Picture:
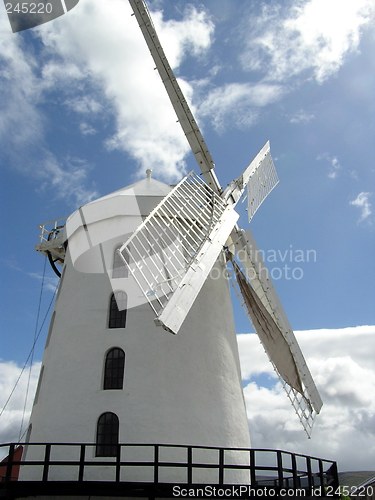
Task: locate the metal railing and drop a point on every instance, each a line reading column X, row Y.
column 49, row 228
column 264, row 469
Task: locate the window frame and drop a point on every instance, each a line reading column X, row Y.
column 107, row 435
column 117, row 318
column 114, row 369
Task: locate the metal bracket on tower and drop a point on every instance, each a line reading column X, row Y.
column 52, row 239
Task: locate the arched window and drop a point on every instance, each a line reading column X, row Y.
column 119, row 267
column 117, row 310
column 107, row 435
column 114, row 369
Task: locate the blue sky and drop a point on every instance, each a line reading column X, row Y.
column 83, row 113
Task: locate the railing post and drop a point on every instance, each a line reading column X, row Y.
column 335, row 475
column 294, row 469
column 280, row 473
column 8, row 473
column 190, row 465
column 309, row 475
column 81, row 462
column 156, row 463
column 221, row 466
column 253, row 478
column 321, row 474
column 47, row 455
column 118, row 462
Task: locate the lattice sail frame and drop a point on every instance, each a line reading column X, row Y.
column 260, row 184
column 172, row 252
column 303, row 409
column 308, row 403
column 259, row 179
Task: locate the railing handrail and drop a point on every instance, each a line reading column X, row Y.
column 169, row 445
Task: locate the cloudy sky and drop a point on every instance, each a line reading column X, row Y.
column 83, row 113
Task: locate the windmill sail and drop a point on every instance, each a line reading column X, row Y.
column 261, row 181
column 275, row 331
column 269, row 333
column 172, row 252
column 178, row 101
column 260, row 177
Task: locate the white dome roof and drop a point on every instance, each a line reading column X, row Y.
column 109, row 218
column 144, row 187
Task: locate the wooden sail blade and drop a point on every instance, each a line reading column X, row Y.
column 178, row 101
column 172, row 252
column 269, row 333
column 257, row 273
column 309, row 402
column 278, row 351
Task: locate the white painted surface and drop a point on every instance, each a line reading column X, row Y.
column 183, row 389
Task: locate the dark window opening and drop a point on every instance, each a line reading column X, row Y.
column 114, row 369
column 107, row 435
column 117, row 310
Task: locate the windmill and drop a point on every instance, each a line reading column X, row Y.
column 193, row 225
column 159, row 364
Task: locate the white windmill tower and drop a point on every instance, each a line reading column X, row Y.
column 137, row 266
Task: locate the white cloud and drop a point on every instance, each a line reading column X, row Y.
column 342, row 364
column 193, row 34
column 335, row 167
column 309, row 38
column 87, row 129
column 97, row 60
column 23, row 124
column 53, row 74
column 50, row 283
column 103, row 41
column 238, row 103
column 84, row 105
column 285, row 43
column 362, row 201
column 334, row 164
column 20, row 122
column 302, row 116
column 12, row 416
column 67, row 179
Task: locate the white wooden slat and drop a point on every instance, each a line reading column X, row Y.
column 183, row 234
column 260, row 183
column 183, row 298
